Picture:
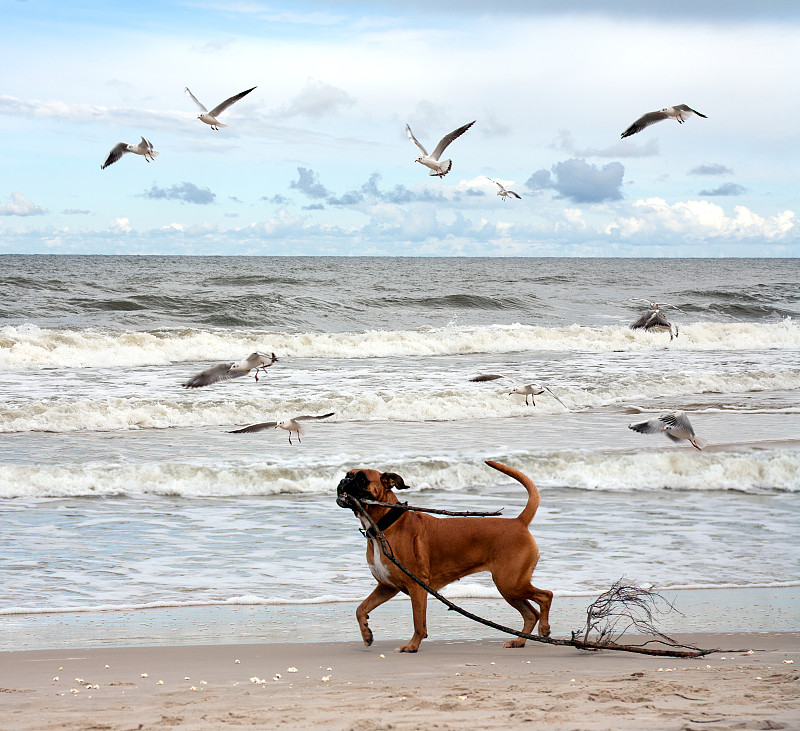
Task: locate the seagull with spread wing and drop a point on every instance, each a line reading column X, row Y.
column 438, row 168
column 291, row 425
column 226, row 371
column 210, row 118
column 144, row 148
column 675, row 426
column 522, row 389
column 655, row 319
column 503, row 193
column 680, row 112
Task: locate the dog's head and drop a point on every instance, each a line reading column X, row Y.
column 367, row 484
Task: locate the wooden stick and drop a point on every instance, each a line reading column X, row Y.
column 406, row 506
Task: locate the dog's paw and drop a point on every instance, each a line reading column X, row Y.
column 544, row 630
column 366, row 635
column 410, row 647
column 518, row 642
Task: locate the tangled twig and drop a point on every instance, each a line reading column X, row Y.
column 623, row 607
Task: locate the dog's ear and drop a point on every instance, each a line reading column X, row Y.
column 391, row 480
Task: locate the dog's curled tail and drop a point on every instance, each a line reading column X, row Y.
column 526, row 516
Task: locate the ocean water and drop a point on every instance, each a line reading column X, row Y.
column 121, row 490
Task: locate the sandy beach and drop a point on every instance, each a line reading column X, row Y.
column 751, row 684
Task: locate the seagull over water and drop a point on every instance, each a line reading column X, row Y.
column 527, row 389
column 439, row 168
column 503, row 193
column 655, row 319
column 226, row 371
column 675, row 426
column 210, row 118
column 144, row 148
column 680, row 112
column 291, row 425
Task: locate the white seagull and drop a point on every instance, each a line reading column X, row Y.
column 527, row 389
column 290, row 425
column 439, row 168
column 676, row 426
column 655, row 319
column 144, row 148
column 503, row 193
column 226, row 371
column 210, row 118
column 680, row 112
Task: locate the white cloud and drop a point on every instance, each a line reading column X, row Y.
column 698, row 219
column 120, row 225
column 19, row 205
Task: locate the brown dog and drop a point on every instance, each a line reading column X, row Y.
column 442, row 550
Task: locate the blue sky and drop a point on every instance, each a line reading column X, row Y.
column 316, row 159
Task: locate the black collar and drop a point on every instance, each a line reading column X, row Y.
column 389, row 519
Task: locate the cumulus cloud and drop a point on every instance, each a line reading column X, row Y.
column 316, row 100
column 185, row 192
column 120, row 226
column 698, row 220
column 715, row 169
column 308, row 182
column 725, row 189
column 19, row 205
column 578, row 181
column 370, row 192
column 75, row 212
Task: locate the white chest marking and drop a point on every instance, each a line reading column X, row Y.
column 376, row 566
column 379, row 571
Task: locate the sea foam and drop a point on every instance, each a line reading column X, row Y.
column 668, row 469
column 29, row 346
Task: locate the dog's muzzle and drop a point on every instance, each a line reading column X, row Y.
column 352, row 486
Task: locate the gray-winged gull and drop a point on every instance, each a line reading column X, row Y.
column 226, row 371
column 210, row 118
column 439, row 168
column 655, row 319
column 680, row 112
column 503, row 193
column 144, row 148
column 526, row 389
column 290, row 425
column 675, row 425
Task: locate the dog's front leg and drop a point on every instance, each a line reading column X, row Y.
column 419, row 607
column 382, row 593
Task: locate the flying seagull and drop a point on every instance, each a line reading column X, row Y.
column 439, row 168
column 226, row 371
column 527, row 389
column 680, row 112
column 210, row 118
column 290, row 425
column 503, row 193
column 145, row 148
column 655, row 319
column 676, row 426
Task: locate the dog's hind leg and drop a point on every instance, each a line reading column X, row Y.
column 419, row 607
column 520, row 598
column 380, row 594
column 529, row 617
